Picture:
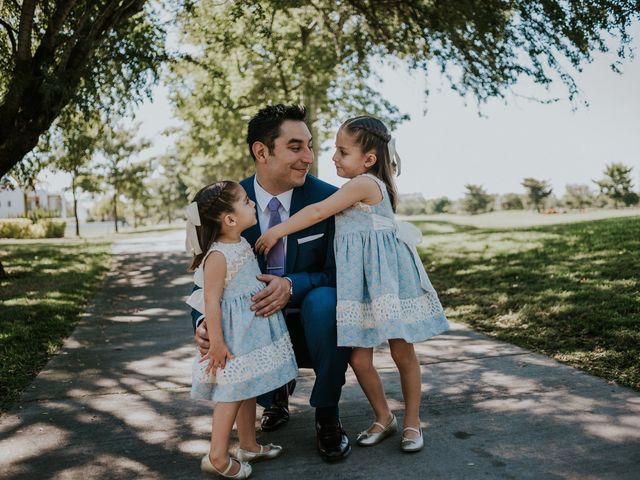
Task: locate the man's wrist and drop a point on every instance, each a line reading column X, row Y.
column 290, row 286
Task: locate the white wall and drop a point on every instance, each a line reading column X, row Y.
column 16, row 199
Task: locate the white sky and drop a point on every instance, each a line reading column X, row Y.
column 452, row 145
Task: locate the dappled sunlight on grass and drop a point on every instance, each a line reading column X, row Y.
column 48, row 286
column 562, row 290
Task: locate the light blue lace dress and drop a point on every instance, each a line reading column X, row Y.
column 383, row 291
column 264, row 358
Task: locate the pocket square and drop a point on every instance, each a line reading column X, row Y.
column 310, row 238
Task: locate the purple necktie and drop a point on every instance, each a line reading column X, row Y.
column 275, row 259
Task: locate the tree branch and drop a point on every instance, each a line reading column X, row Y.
column 23, row 53
column 10, row 33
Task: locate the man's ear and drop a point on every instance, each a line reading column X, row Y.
column 370, row 159
column 229, row 220
column 260, row 151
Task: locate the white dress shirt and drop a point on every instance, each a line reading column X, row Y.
column 262, row 199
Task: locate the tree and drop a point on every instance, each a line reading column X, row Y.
column 476, row 199
column 511, row 201
column 260, row 53
column 75, row 145
column 440, row 204
column 245, row 54
column 618, row 185
column 537, row 191
column 578, row 196
column 118, row 146
column 133, row 185
column 170, row 191
column 74, row 52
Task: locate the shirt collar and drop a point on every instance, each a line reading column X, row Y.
column 263, row 197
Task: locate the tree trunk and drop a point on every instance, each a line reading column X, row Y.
column 75, row 204
column 3, row 274
column 115, row 210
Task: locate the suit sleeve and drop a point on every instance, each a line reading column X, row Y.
column 196, row 316
column 304, row 282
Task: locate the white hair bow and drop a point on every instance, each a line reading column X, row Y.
column 393, row 155
column 193, row 220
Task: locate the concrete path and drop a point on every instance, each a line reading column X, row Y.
column 114, row 403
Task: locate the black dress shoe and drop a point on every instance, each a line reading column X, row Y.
column 333, row 443
column 277, row 415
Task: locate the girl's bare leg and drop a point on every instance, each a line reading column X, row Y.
column 362, row 363
column 224, row 415
column 405, row 358
column 246, row 422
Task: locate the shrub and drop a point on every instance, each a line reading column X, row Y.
column 25, row 228
column 53, row 228
column 16, row 228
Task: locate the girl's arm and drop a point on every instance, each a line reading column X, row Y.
column 215, row 270
column 355, row 190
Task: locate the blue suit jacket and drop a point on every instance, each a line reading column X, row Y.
column 310, row 264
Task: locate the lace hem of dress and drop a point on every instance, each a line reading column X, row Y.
column 387, row 308
column 254, row 364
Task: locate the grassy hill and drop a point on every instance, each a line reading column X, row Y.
column 569, row 291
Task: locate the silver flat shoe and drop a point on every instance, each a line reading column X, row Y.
column 368, row 439
column 247, row 456
column 412, row 444
column 207, row 467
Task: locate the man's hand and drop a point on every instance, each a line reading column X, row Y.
column 202, row 338
column 273, row 297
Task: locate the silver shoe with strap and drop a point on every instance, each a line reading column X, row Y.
column 412, row 444
column 368, row 439
column 247, row 456
column 207, row 467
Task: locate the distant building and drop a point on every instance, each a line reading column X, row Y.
column 15, row 202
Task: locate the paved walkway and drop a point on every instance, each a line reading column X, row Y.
column 114, row 403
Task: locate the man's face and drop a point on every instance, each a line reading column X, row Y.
column 286, row 167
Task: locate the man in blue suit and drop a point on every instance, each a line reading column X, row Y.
column 303, row 286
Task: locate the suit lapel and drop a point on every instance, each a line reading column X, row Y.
column 298, row 201
column 251, row 234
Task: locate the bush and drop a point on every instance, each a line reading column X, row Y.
column 53, row 228
column 16, row 228
column 25, row 228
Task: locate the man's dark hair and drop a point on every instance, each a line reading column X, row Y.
column 265, row 125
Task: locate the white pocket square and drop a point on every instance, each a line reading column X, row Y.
column 310, row 238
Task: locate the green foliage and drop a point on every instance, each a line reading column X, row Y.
column 119, row 173
column 416, row 205
column 511, row 201
column 537, row 191
column 476, row 200
column 571, row 291
column 85, row 55
column 169, row 190
column 16, row 228
column 438, row 205
column 249, row 54
column 53, row 228
column 578, row 196
column 28, row 228
column 48, row 286
column 618, row 185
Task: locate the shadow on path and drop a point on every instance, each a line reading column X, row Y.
column 114, row 403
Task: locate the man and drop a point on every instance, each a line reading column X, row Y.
column 299, row 271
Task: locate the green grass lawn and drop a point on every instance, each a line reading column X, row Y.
column 571, row 292
column 49, row 285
